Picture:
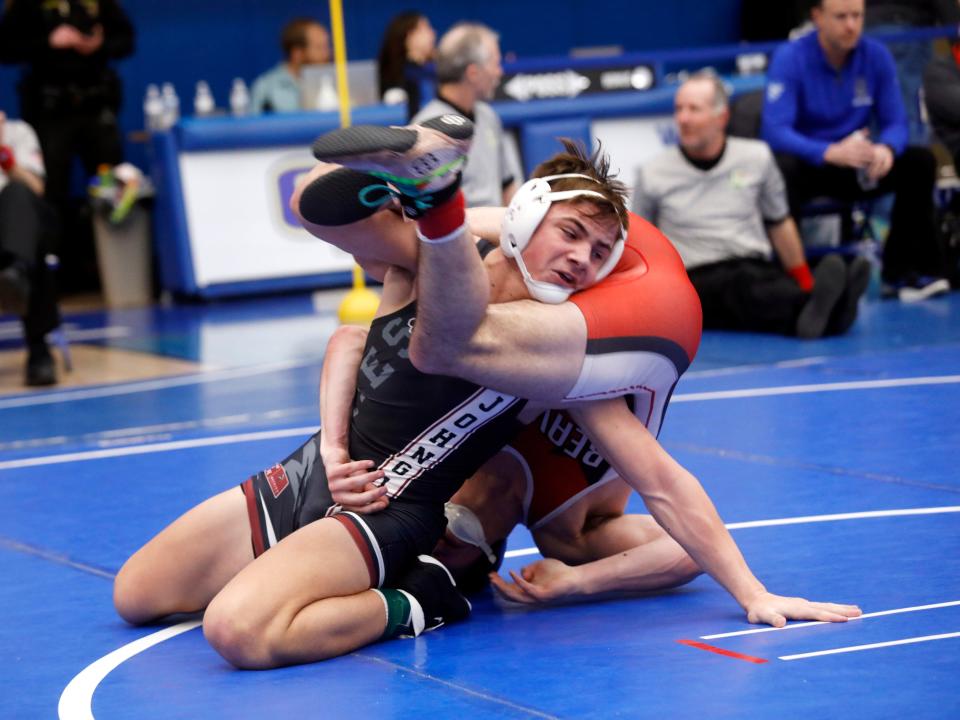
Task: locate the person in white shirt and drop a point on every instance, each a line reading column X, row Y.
column 468, row 73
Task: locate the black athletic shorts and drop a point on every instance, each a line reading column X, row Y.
column 294, row 492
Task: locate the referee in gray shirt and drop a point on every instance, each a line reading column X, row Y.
column 468, row 73
column 721, row 201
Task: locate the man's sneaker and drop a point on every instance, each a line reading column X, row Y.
column 433, row 587
column 829, row 280
column 915, row 289
column 40, row 367
column 416, row 158
column 858, row 278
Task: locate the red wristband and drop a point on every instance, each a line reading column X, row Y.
column 444, row 219
column 7, row 159
column 803, row 277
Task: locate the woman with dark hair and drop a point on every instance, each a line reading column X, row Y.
column 408, row 45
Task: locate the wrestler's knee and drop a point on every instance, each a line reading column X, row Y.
column 238, row 635
column 133, row 593
column 251, row 636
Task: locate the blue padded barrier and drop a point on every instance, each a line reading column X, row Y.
column 170, row 233
column 539, row 138
column 541, row 122
column 607, row 105
column 283, row 129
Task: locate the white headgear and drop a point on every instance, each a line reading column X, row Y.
column 525, row 213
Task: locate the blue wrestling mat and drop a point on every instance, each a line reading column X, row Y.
column 834, row 462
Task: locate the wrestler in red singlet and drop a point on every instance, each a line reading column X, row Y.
column 643, row 330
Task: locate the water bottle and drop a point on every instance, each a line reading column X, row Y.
column 171, row 105
column 327, row 97
column 395, row 96
column 239, row 98
column 203, row 104
column 153, row 109
column 864, row 180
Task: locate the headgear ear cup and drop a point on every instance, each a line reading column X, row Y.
column 524, row 215
column 616, row 252
column 526, row 211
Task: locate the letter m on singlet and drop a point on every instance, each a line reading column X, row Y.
column 442, row 438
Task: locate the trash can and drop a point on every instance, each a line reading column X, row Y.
column 121, row 230
column 124, row 257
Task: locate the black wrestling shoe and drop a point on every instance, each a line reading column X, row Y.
column 432, row 585
column 40, row 367
column 418, row 158
column 829, row 280
column 858, row 278
column 14, row 289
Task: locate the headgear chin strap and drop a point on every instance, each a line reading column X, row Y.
column 525, row 213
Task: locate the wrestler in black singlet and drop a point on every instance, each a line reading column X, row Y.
column 429, row 433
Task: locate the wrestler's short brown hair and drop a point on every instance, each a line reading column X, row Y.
column 576, row 159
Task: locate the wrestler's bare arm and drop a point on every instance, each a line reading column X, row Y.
column 525, row 348
column 786, row 241
column 338, row 383
column 351, row 482
column 485, row 222
column 623, row 554
column 678, row 502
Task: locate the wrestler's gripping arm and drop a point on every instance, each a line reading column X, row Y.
column 638, row 560
column 351, row 482
column 681, row 506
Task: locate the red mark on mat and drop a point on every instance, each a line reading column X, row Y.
column 721, row 651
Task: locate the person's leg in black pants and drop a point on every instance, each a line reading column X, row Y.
column 757, row 295
column 27, row 226
column 56, row 137
column 748, row 294
column 911, row 248
column 805, row 182
column 94, row 138
column 43, row 311
column 19, row 222
column 19, row 230
column 99, row 140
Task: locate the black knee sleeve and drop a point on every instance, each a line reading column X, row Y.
column 340, row 198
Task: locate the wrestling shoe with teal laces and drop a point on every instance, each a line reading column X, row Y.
column 346, row 196
column 419, row 166
column 415, row 159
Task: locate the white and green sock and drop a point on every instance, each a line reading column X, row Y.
column 404, row 614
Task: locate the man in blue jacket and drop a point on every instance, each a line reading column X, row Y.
column 834, row 116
